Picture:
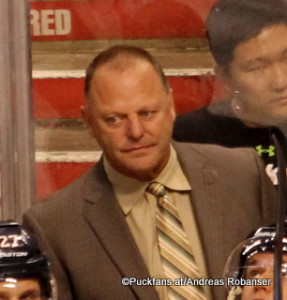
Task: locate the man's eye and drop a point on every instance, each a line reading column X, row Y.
column 256, row 68
column 147, row 113
column 253, row 272
column 112, row 120
column 33, row 295
column 284, row 270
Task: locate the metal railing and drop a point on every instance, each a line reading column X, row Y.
column 16, row 122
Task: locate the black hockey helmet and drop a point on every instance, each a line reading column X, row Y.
column 260, row 241
column 20, row 257
column 263, row 240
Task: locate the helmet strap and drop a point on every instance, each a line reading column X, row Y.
column 235, row 290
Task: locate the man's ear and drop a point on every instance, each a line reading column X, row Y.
column 84, row 113
column 172, row 105
column 87, row 119
column 223, row 76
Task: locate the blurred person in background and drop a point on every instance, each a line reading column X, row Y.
column 248, row 40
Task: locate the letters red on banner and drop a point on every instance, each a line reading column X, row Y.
column 118, row 19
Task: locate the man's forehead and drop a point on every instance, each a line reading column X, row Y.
column 264, row 257
column 264, row 42
column 19, row 284
column 122, row 63
column 111, row 75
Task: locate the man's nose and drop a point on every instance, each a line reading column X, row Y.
column 135, row 129
column 268, row 275
column 278, row 77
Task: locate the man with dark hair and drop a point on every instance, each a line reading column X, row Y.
column 151, row 211
column 240, row 21
column 248, row 40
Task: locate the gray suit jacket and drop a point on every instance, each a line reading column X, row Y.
column 83, row 230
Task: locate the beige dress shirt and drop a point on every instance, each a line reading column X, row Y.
column 139, row 208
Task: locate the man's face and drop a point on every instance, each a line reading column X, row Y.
column 259, row 72
column 131, row 115
column 261, row 266
column 20, row 290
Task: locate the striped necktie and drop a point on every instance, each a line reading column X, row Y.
column 174, row 247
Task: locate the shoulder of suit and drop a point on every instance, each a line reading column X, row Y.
column 67, row 195
column 211, row 151
column 211, row 148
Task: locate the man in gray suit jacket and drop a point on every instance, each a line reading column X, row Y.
column 100, row 232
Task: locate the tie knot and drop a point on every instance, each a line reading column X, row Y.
column 156, row 189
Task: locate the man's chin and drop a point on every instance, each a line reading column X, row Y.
column 275, row 116
column 141, row 171
column 265, row 120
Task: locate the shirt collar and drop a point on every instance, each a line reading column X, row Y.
column 129, row 190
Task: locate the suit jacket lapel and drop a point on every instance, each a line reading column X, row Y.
column 106, row 219
column 204, row 196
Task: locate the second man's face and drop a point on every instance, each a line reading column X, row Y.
column 261, row 266
column 24, row 289
column 259, row 72
column 131, row 115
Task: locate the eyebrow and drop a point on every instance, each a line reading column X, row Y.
column 263, row 59
column 253, row 262
column 33, row 292
column 255, row 61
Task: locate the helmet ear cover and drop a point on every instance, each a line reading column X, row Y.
column 21, row 258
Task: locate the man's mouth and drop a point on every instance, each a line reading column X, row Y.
column 280, row 100
column 137, row 148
